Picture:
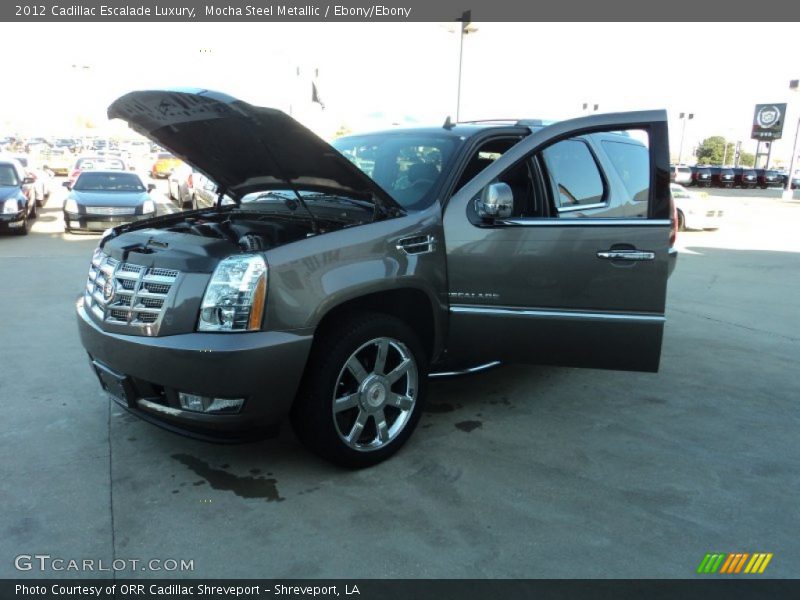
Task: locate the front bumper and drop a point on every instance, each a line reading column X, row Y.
column 263, row 367
column 703, row 220
column 12, row 221
column 81, row 222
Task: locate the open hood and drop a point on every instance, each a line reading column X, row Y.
column 244, row 148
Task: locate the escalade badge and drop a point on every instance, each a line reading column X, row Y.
column 108, row 291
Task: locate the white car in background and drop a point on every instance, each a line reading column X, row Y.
column 680, row 174
column 696, row 210
column 42, row 178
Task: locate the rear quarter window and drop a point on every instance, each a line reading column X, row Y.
column 632, row 163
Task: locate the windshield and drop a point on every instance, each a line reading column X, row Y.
column 8, row 176
column 109, row 182
column 320, row 204
column 409, row 166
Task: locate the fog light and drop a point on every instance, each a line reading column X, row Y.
column 192, row 402
column 207, row 404
column 225, row 405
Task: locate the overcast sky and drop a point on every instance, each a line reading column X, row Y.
column 373, row 74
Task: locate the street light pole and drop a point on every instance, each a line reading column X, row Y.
column 787, row 191
column 466, row 28
column 684, row 117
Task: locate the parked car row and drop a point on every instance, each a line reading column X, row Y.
column 17, row 197
column 728, row 177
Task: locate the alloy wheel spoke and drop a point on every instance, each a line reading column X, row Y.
column 380, row 359
column 400, row 401
column 382, row 427
column 356, row 369
column 399, row 370
column 358, row 427
column 345, row 403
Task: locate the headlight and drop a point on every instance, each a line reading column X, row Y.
column 11, row 206
column 71, row 206
column 148, row 207
column 235, row 296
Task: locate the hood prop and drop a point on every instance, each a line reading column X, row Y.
column 314, row 224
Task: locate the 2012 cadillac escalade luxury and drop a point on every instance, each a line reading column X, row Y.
column 341, row 276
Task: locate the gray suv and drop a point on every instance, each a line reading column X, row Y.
column 341, row 277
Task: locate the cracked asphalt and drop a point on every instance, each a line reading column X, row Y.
column 516, row 472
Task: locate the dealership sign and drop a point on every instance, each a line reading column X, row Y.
column 768, row 121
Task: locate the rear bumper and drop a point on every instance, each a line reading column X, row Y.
column 673, row 260
column 264, row 368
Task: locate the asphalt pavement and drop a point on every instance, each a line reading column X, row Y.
column 516, row 472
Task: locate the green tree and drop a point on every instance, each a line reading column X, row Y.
column 746, row 159
column 711, row 150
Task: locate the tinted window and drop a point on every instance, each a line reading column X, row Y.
column 409, row 167
column 574, row 174
column 108, row 182
column 632, row 164
column 8, row 176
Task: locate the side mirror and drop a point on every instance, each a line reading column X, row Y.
column 28, row 181
column 150, row 187
column 67, row 185
column 495, row 202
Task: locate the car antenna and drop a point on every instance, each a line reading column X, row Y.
column 448, row 124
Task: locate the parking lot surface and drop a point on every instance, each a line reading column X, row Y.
column 516, row 472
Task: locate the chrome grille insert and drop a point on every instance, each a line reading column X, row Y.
column 126, row 293
column 110, row 210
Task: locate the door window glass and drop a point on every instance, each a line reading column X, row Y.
column 574, row 174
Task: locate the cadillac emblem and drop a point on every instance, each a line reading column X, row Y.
column 768, row 116
column 108, row 290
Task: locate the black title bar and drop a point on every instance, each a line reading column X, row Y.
column 409, row 589
column 678, row 11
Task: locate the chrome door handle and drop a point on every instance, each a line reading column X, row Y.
column 627, row 255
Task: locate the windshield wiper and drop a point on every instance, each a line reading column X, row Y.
column 336, row 199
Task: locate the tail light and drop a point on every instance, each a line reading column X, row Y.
column 74, row 174
column 189, row 181
column 673, row 222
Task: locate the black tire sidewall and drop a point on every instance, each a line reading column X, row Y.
column 312, row 413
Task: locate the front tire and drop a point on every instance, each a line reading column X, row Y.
column 681, row 222
column 26, row 226
column 363, row 390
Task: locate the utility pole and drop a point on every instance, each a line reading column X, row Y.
column 787, row 192
column 466, row 28
column 683, row 117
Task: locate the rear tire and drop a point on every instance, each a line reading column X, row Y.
column 681, row 222
column 363, row 390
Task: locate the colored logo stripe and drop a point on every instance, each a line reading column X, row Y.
column 733, row 563
column 710, row 563
column 758, row 563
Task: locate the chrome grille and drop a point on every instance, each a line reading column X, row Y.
column 126, row 293
column 110, row 210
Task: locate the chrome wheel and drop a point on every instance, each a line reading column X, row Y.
column 375, row 394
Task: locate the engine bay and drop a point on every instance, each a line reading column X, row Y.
column 249, row 232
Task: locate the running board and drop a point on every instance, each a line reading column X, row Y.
column 470, row 371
